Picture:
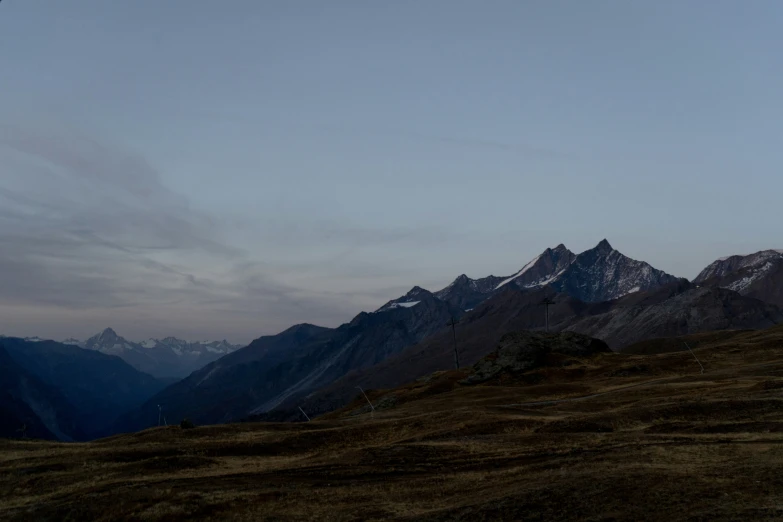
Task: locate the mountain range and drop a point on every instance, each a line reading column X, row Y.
column 599, row 274
column 599, row 292
column 168, row 358
column 274, row 369
column 596, row 291
column 675, row 309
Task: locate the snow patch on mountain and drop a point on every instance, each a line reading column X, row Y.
column 521, row 272
column 724, row 266
column 545, row 281
column 632, row 291
column 409, row 304
column 742, row 284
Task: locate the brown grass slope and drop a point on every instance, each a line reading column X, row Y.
column 638, row 437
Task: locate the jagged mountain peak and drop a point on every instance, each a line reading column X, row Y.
column 465, row 293
column 108, row 341
column 418, row 291
column 603, row 274
column 604, row 246
column 107, row 337
column 108, row 333
column 542, row 270
column 461, row 282
column 414, row 296
column 301, row 327
column 598, row 274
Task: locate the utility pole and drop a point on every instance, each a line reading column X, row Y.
column 546, row 302
column 453, row 324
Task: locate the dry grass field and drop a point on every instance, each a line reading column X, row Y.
column 612, row 437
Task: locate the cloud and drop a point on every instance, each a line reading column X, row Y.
column 88, row 227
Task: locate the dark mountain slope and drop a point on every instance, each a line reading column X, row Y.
column 478, row 332
column 100, row 387
column 673, row 309
column 31, row 408
column 232, row 385
column 289, row 365
column 691, row 311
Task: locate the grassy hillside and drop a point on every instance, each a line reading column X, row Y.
column 608, row 437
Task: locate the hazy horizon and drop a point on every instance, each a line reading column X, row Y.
column 226, row 170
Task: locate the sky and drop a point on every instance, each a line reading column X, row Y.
column 218, row 170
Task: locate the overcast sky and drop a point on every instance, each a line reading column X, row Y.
column 225, row 169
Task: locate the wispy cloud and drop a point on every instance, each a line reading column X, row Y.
column 89, row 226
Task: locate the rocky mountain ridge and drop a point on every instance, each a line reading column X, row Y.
column 758, row 275
column 165, row 358
column 598, row 274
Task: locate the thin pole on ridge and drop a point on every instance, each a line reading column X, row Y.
column 546, row 302
column 453, row 324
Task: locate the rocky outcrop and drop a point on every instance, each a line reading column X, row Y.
column 521, row 351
